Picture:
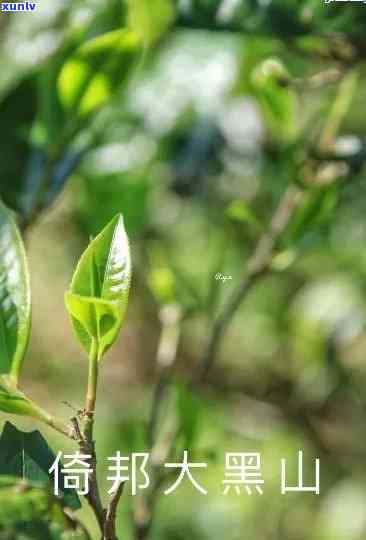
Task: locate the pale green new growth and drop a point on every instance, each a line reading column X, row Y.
column 98, row 295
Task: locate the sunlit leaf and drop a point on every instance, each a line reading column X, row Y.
column 14, row 296
column 90, row 77
column 98, row 295
column 150, row 18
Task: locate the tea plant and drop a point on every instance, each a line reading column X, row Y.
column 97, row 302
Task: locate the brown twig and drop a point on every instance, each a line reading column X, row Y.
column 170, row 317
column 93, row 496
column 109, row 532
column 257, row 266
column 87, row 443
column 87, row 447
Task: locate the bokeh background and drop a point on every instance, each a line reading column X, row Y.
column 229, row 103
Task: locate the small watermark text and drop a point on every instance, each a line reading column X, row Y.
column 18, row 6
column 223, row 277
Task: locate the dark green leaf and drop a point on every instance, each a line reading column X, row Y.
column 15, row 302
column 17, row 112
column 28, row 456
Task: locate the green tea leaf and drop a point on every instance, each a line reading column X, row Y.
column 98, row 295
column 28, row 456
column 15, row 301
column 97, row 69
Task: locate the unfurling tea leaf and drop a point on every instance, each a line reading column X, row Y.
column 98, row 295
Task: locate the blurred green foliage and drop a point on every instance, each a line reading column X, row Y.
column 30, row 512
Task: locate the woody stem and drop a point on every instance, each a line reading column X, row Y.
column 86, row 441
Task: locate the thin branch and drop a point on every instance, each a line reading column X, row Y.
column 93, row 496
column 258, row 265
column 339, row 108
column 53, row 422
column 170, row 317
column 109, row 532
column 86, row 440
column 59, row 426
column 87, row 447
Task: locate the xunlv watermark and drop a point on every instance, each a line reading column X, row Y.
column 21, row 6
